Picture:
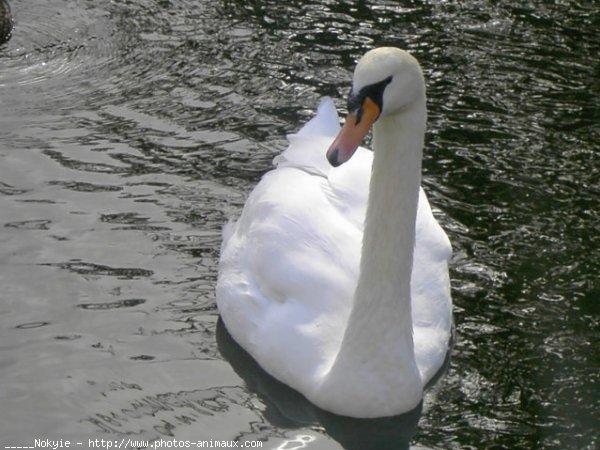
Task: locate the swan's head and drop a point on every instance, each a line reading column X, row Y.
column 386, row 81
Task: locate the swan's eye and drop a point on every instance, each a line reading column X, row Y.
column 373, row 91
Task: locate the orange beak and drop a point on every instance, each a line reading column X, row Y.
column 352, row 133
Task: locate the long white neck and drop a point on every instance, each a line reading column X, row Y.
column 377, row 351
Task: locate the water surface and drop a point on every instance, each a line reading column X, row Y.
column 131, row 131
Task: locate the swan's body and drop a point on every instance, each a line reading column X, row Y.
column 326, row 293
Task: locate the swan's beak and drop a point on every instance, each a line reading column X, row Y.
column 352, row 133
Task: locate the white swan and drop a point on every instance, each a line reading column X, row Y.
column 358, row 330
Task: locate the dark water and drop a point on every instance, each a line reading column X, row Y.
column 131, row 131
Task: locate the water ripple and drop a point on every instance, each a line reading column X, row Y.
column 54, row 50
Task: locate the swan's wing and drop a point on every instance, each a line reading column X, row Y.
column 325, row 123
column 289, row 266
column 308, row 147
column 430, row 291
column 348, row 185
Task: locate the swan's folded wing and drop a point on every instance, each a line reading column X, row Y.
column 325, row 123
column 430, row 289
column 306, row 153
column 287, row 273
column 308, row 147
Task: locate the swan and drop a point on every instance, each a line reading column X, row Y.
column 334, row 278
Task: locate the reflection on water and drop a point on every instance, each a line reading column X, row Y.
column 131, row 131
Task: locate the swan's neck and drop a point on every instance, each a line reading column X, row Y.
column 378, row 343
column 389, row 234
